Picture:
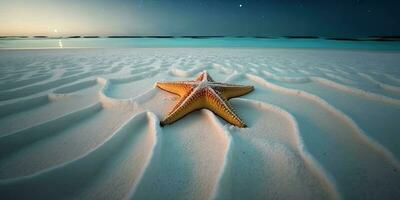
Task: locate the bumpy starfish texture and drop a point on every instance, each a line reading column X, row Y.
column 201, row 93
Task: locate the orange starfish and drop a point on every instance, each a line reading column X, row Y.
column 204, row 92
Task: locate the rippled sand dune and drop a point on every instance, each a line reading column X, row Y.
column 84, row 124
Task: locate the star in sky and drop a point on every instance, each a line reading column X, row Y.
column 240, row 5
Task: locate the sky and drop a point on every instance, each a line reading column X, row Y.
column 341, row 18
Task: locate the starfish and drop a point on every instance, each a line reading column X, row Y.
column 201, row 93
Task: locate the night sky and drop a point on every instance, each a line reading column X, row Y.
column 344, row 18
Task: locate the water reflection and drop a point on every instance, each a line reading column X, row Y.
column 60, row 44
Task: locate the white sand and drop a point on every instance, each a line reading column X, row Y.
column 84, row 123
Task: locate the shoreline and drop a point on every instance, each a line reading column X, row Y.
column 219, row 42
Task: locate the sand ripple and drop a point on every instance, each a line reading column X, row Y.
column 84, row 124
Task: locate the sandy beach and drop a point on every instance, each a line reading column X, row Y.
column 85, row 124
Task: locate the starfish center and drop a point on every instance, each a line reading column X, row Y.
column 203, row 84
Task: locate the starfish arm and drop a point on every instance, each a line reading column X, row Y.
column 222, row 108
column 204, row 75
column 230, row 91
column 204, row 92
column 177, row 87
column 182, row 100
column 187, row 104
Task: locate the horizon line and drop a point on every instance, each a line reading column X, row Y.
column 367, row 38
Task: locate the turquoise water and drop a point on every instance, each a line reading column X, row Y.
column 190, row 42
